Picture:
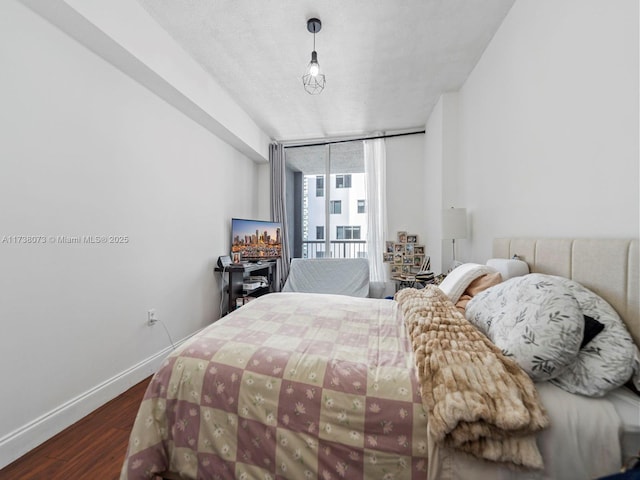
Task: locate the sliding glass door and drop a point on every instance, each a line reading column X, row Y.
column 327, row 206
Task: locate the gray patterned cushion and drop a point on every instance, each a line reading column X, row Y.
column 534, row 319
column 606, row 362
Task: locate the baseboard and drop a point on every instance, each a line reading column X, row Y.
column 26, row 438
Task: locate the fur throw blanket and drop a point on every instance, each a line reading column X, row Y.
column 477, row 400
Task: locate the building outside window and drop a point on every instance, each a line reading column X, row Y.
column 343, row 181
column 326, row 188
column 319, row 186
column 348, row 232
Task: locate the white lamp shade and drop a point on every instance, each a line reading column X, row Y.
column 454, row 223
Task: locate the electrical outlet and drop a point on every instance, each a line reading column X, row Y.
column 152, row 317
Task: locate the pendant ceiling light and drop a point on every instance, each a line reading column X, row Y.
column 312, row 79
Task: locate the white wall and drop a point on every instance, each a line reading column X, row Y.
column 85, row 150
column 406, row 187
column 263, row 191
column 442, row 163
column 548, row 126
column 128, row 37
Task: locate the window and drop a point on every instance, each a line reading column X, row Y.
column 360, row 206
column 348, row 233
column 319, row 186
column 343, row 181
column 313, row 173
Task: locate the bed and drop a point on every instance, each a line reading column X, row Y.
column 303, row 385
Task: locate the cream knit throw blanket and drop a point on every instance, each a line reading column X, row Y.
column 478, row 400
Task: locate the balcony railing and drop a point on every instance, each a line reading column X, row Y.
column 337, row 249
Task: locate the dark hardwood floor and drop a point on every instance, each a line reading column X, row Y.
column 92, row 448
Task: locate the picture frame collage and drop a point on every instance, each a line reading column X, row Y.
column 405, row 256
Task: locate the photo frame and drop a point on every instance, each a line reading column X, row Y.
column 405, row 256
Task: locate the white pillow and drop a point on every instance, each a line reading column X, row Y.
column 460, row 277
column 509, row 268
column 534, row 319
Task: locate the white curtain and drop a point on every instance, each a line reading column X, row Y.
column 375, row 168
column 279, row 205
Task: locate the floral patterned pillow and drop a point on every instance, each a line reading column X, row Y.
column 606, row 362
column 534, row 319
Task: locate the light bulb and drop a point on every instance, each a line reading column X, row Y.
column 314, row 68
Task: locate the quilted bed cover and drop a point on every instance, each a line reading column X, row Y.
column 304, row 386
column 290, row 386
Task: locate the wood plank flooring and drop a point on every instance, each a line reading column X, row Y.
column 94, row 447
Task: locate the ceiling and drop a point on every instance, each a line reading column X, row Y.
column 386, row 61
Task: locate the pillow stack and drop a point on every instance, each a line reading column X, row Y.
column 541, row 320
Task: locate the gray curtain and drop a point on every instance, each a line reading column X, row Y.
column 279, row 205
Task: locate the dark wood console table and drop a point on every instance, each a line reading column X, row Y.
column 239, row 274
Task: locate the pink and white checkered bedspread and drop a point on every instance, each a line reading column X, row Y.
column 290, row 386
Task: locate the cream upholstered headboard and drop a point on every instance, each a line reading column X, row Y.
column 608, row 267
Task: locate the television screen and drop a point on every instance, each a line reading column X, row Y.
column 254, row 240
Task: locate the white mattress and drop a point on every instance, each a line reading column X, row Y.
column 627, row 405
column 582, row 442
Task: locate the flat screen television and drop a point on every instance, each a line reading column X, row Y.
column 255, row 240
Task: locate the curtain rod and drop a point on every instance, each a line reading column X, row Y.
column 330, row 142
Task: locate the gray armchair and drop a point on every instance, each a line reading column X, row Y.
column 342, row 276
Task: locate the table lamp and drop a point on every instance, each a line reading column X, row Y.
column 454, row 225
